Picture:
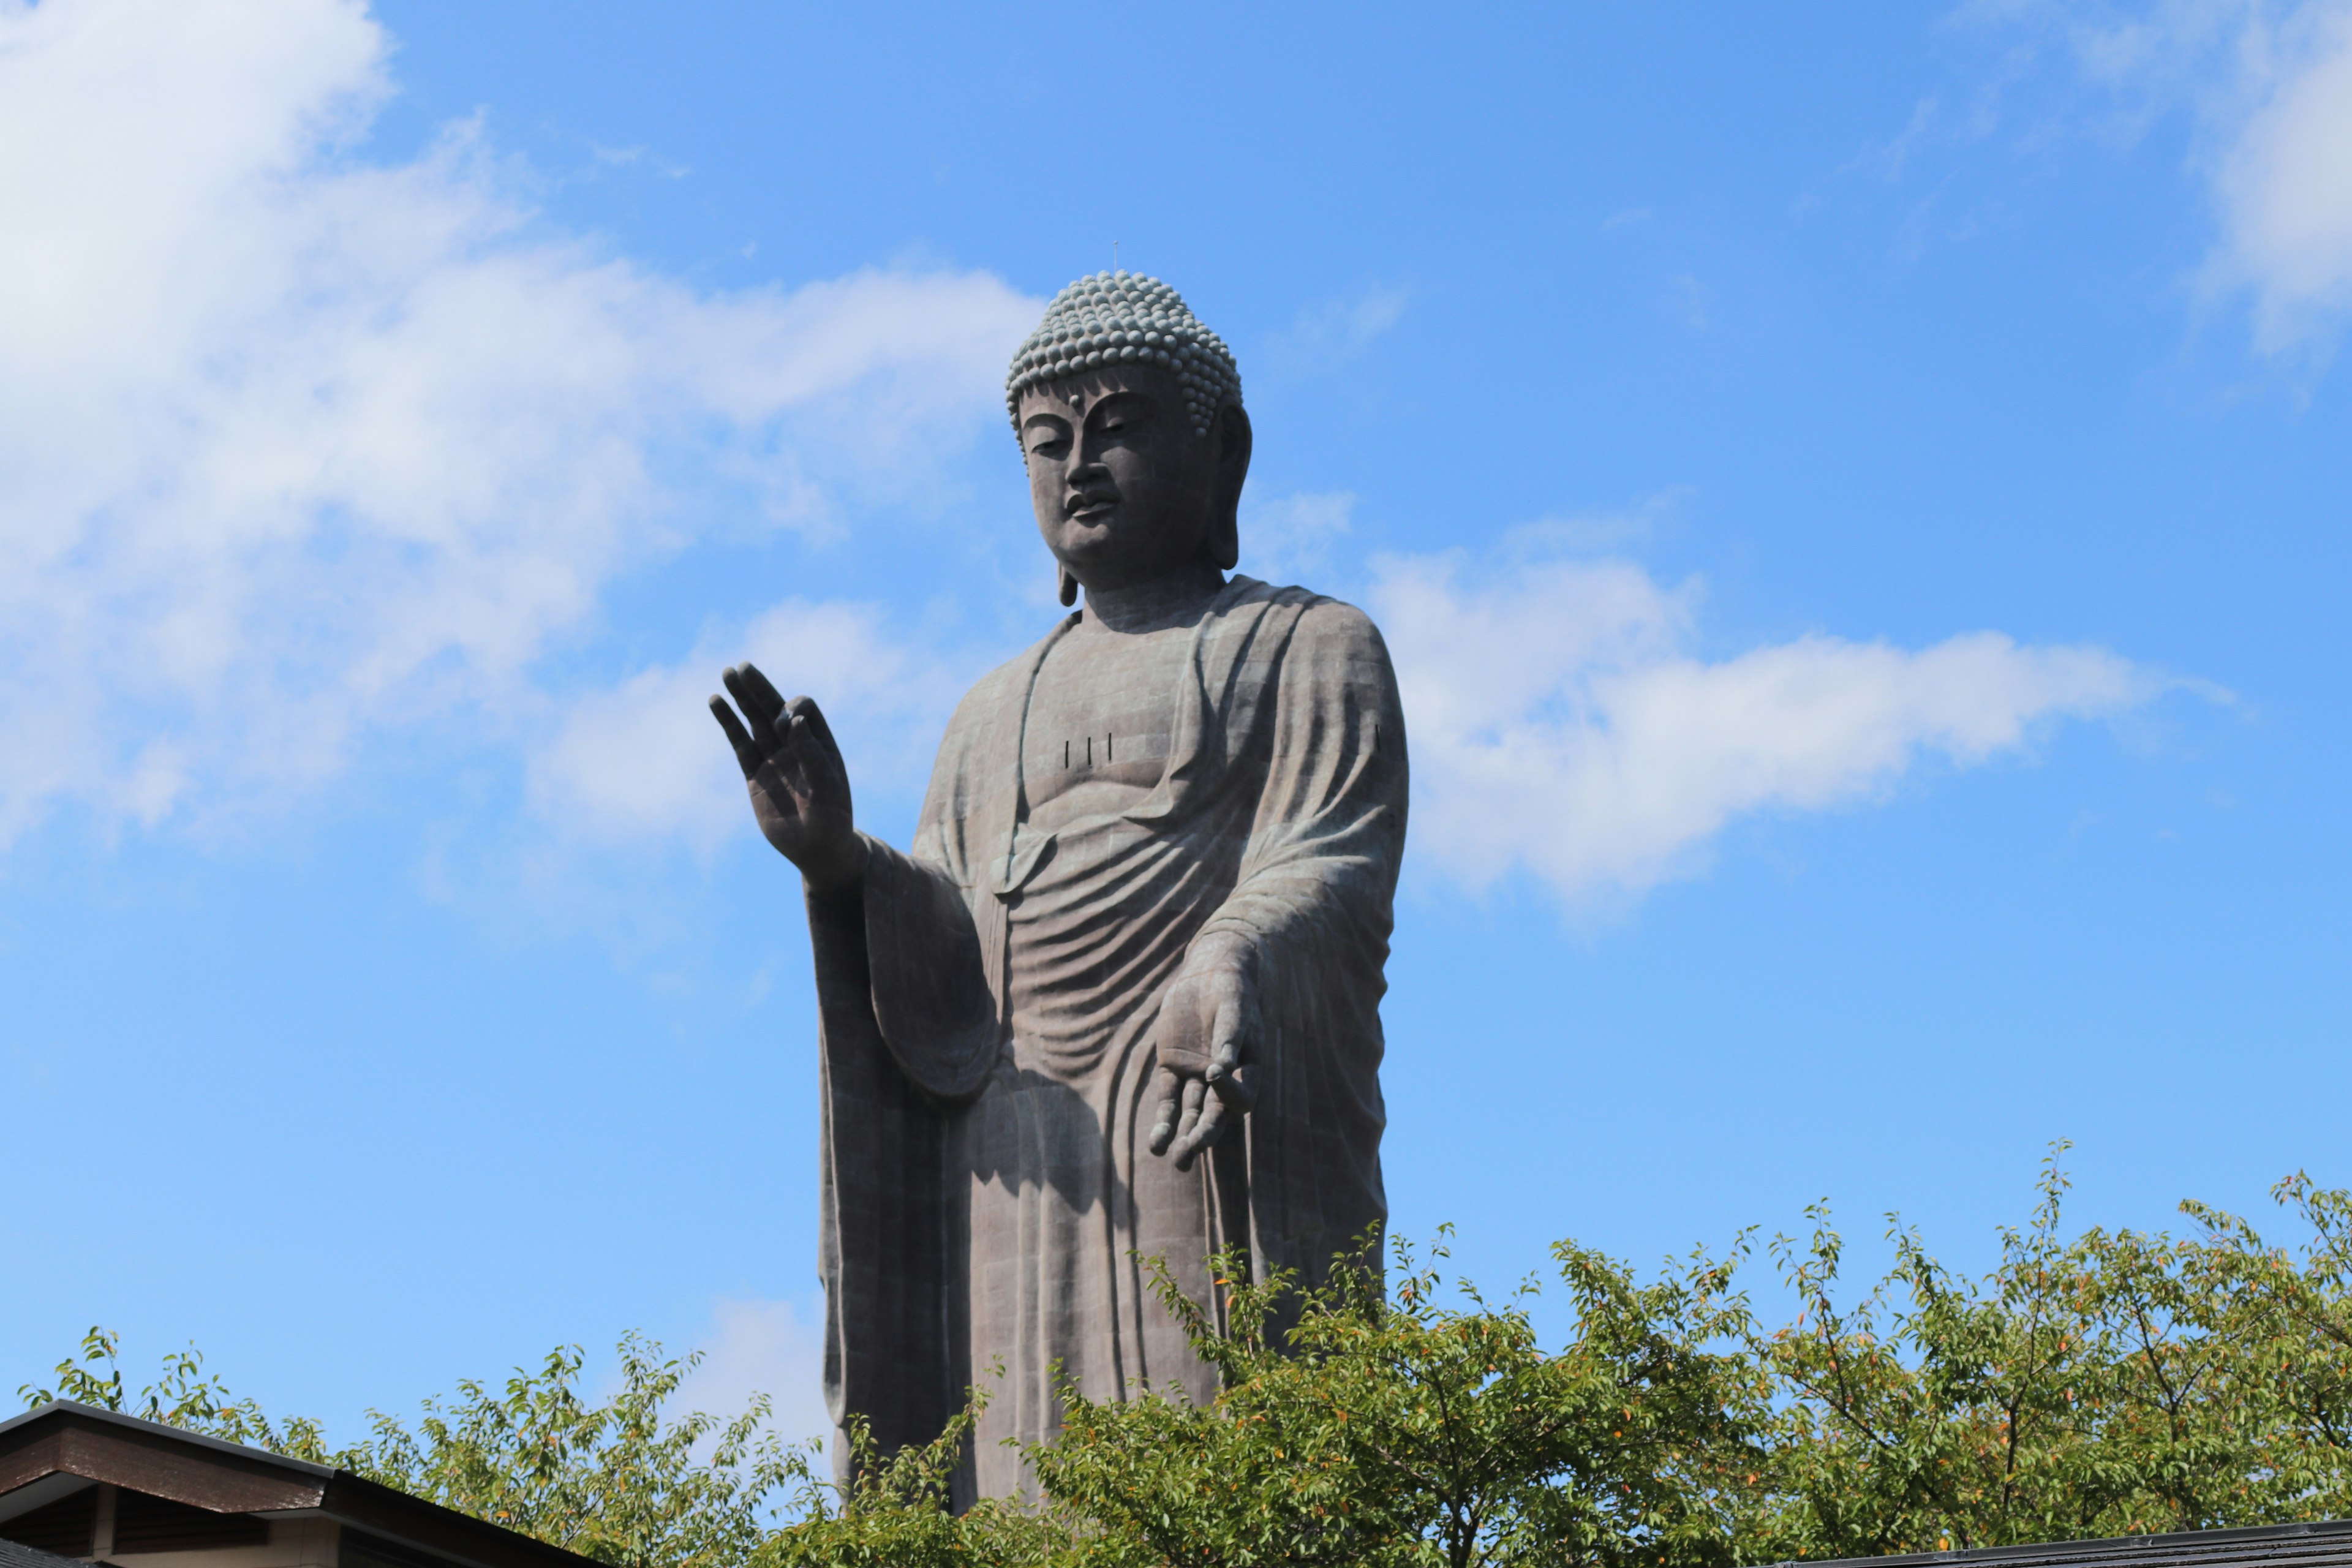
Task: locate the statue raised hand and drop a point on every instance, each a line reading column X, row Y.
column 800, row 787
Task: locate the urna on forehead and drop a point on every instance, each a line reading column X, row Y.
column 1114, row 318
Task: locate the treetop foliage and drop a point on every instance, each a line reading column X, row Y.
column 2107, row 1384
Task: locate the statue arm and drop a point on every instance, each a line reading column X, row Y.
column 897, row 954
column 919, row 972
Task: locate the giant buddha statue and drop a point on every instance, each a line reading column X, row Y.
column 1118, row 1000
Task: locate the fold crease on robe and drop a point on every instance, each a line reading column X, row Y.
column 985, row 1007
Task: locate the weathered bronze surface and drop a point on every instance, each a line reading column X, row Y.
column 1120, row 999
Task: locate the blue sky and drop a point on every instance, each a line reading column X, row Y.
column 1857, row 496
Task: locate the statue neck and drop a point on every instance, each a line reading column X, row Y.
column 1162, row 602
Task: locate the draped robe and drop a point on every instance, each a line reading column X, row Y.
column 986, row 1005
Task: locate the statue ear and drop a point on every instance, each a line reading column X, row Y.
column 1224, row 544
column 1065, row 584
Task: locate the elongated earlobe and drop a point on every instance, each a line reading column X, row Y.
column 1224, row 544
column 1067, row 585
column 1224, row 541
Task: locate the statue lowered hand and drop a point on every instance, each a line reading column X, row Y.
column 800, row 787
column 1206, row 1040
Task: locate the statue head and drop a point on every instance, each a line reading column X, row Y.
column 1129, row 417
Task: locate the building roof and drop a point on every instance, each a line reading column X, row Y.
column 15, row 1556
column 64, row 1439
column 2324, row 1545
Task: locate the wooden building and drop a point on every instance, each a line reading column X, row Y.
column 87, row 1485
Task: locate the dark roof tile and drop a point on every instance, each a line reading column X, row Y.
column 2323, row 1545
column 15, row 1556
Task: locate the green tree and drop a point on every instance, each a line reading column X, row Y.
column 896, row 1513
column 2102, row 1385
column 2282, row 1333
column 182, row 1395
column 1408, row 1431
column 2117, row 1384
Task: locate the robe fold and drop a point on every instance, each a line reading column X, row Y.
column 986, row 1003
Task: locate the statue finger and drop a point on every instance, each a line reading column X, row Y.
column 764, row 692
column 1203, row 1133
column 763, row 716
column 1194, row 1092
column 802, row 739
column 1232, row 1044
column 1228, row 1039
column 1163, row 1125
column 1197, row 1099
column 737, row 736
column 806, row 708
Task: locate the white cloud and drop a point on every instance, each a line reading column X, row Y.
column 1359, row 320
column 775, row 1348
column 1562, row 723
column 2285, row 179
column 292, row 444
column 1290, row 538
column 2269, row 86
column 1332, row 331
column 646, row 760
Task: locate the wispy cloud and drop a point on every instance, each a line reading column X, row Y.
column 644, row 760
column 2283, row 173
column 1687, row 300
column 293, row 445
column 1562, row 722
column 2267, row 85
column 1334, row 330
column 1294, row 537
column 1592, row 532
column 753, row 1347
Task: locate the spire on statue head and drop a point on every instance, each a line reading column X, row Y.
column 1114, row 317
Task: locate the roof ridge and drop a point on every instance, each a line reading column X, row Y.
column 2269, row 1541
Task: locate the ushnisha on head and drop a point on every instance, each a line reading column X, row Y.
column 1129, row 417
column 1124, row 318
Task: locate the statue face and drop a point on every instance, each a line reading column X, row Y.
column 1124, row 489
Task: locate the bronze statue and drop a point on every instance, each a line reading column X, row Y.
column 1120, row 998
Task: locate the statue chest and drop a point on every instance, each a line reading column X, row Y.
column 1100, row 721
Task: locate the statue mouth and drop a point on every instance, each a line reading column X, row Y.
column 1091, row 508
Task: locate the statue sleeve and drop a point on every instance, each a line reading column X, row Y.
column 880, row 1213
column 928, row 987
column 905, row 1027
column 1315, row 896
